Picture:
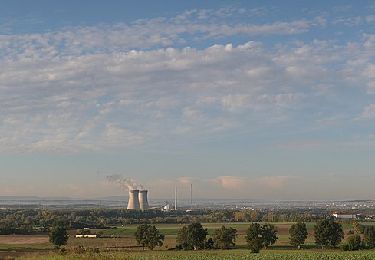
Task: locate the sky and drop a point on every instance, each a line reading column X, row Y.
column 266, row 100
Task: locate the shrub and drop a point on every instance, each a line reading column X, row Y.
column 354, row 243
column 369, row 236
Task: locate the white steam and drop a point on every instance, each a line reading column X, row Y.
column 124, row 182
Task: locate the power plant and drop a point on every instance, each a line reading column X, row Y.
column 133, row 202
column 137, row 193
column 138, row 200
column 143, row 202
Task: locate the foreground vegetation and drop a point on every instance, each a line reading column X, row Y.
column 119, row 234
column 218, row 254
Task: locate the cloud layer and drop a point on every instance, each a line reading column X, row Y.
column 118, row 99
column 282, row 84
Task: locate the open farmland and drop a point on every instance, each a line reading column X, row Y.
column 119, row 243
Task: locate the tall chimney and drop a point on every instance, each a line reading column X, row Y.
column 175, row 198
column 143, row 202
column 191, row 194
column 133, row 199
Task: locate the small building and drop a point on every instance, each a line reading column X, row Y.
column 344, row 216
column 86, row 236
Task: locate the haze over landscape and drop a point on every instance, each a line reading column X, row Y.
column 244, row 99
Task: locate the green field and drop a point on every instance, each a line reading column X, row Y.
column 119, row 243
column 216, row 254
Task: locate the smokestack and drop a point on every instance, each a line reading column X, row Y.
column 175, row 198
column 133, row 199
column 191, row 195
column 143, row 202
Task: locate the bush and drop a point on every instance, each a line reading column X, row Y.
column 58, row 235
column 369, row 236
column 209, row 244
column 353, row 243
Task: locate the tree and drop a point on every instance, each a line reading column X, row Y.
column 328, row 233
column 254, row 237
column 269, row 235
column 369, row 236
column 224, row 238
column 259, row 236
column 149, row 236
column 298, row 234
column 58, row 235
column 192, row 237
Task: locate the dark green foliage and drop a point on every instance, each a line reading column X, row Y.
column 254, row 237
column 269, row 235
column 224, row 238
column 209, row 244
column 369, row 236
column 298, row 234
column 58, row 235
column 192, row 237
column 328, row 233
column 354, row 243
column 259, row 236
column 149, row 236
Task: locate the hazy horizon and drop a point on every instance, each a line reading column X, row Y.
column 265, row 100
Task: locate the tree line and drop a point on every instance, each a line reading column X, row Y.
column 26, row 221
column 327, row 233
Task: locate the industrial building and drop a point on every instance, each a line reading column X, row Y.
column 138, row 200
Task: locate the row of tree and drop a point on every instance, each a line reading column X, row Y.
column 194, row 237
column 24, row 221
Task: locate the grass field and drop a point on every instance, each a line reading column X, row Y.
column 120, row 243
column 216, row 254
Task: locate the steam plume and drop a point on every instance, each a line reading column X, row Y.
column 124, row 182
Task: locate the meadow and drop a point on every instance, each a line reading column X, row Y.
column 119, row 243
column 215, row 254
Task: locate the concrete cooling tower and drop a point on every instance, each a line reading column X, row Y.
column 143, row 202
column 133, row 199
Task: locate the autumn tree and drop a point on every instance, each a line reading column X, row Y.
column 224, row 238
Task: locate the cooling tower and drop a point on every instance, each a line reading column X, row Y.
column 143, row 202
column 133, row 199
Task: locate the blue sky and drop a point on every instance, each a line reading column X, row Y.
column 244, row 99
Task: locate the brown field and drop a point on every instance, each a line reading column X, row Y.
column 23, row 239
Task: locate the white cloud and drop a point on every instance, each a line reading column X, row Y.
column 235, row 183
column 86, row 89
column 143, row 34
